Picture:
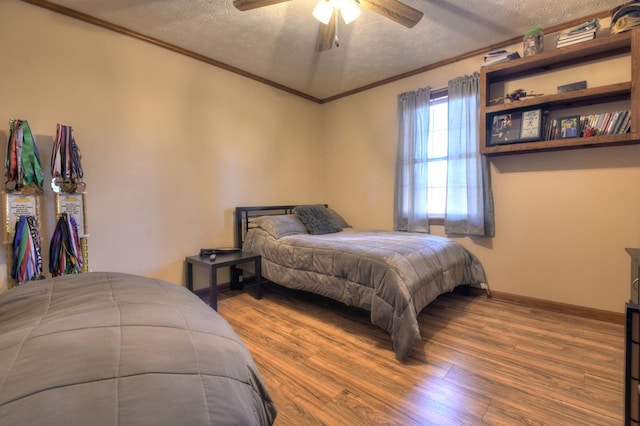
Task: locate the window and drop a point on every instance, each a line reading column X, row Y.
column 440, row 174
column 437, row 155
column 422, row 162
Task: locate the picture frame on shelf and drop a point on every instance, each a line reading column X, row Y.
column 569, row 127
column 531, row 125
column 505, row 128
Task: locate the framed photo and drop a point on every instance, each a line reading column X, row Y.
column 569, row 127
column 505, row 128
column 531, row 126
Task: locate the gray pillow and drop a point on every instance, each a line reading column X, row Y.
column 317, row 219
column 280, row 225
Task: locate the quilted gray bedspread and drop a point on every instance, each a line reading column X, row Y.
column 394, row 275
column 118, row 349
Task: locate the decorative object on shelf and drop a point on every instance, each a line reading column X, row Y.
column 625, row 17
column 578, row 34
column 589, row 132
column 65, row 251
column 26, row 258
column 513, row 96
column 530, row 129
column 23, row 171
column 533, row 42
column 66, row 166
column 569, row 127
column 578, row 85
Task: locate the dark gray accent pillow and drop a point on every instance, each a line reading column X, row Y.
column 317, row 219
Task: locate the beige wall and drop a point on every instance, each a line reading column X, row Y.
column 171, row 145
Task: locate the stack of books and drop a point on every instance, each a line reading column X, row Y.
column 498, row 56
column 603, row 124
column 608, row 123
column 578, row 34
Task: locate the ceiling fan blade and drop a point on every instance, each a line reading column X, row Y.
column 326, row 34
column 254, row 4
column 394, row 10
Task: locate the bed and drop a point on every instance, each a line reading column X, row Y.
column 105, row 348
column 393, row 275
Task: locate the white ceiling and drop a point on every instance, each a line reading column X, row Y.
column 277, row 43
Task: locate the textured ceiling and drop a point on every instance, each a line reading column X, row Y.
column 277, row 42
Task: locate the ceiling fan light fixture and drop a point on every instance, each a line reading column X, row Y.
column 350, row 11
column 323, row 11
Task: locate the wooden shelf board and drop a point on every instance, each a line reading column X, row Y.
column 576, row 96
column 558, row 144
column 563, row 55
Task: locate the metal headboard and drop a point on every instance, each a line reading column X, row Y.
column 244, row 215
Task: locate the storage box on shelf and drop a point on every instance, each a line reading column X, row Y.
column 628, row 92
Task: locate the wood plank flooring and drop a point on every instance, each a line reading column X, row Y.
column 480, row 362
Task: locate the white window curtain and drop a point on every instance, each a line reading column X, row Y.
column 410, row 199
column 469, row 208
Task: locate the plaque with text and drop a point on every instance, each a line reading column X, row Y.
column 16, row 205
column 73, row 205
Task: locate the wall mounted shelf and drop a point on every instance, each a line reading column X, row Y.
column 627, row 43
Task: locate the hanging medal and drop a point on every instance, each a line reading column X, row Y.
column 64, row 250
column 66, row 166
column 23, row 171
column 26, row 251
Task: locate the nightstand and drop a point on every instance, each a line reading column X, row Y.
column 222, row 260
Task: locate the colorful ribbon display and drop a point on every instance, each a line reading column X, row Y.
column 65, row 253
column 23, row 170
column 66, row 167
column 27, row 257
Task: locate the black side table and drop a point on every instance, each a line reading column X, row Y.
column 231, row 260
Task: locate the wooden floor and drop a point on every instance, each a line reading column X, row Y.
column 480, row 362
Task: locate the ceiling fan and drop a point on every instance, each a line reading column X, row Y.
column 327, row 12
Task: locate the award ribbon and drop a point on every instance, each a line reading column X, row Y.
column 65, row 252
column 66, row 166
column 27, row 257
column 22, row 165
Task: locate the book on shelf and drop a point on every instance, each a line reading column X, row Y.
column 591, row 25
column 607, row 123
column 503, row 56
column 495, row 53
column 621, row 124
column 583, row 32
column 579, row 38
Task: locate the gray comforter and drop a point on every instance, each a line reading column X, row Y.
column 394, row 275
column 118, row 349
